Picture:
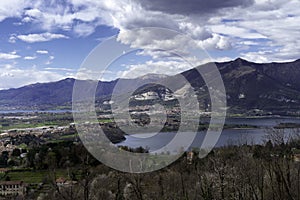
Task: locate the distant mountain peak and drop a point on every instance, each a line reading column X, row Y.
column 153, row 76
column 240, row 60
column 69, row 79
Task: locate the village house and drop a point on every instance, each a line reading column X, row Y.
column 190, row 156
column 12, row 188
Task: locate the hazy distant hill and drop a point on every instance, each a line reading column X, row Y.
column 271, row 87
column 44, row 95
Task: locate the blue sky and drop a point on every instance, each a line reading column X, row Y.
column 42, row 41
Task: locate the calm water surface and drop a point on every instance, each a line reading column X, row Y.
column 228, row 136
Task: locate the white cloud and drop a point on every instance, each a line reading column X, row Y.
column 27, row 19
column 42, row 37
column 166, row 67
column 135, row 16
column 34, row 13
column 259, row 56
column 215, row 42
column 42, row 52
column 82, row 16
column 236, row 31
column 13, row 77
column 12, row 39
column 60, row 69
column 155, row 67
column 12, row 8
column 9, row 56
column 48, row 18
column 61, row 15
column 50, row 59
column 93, row 74
column 278, row 21
column 152, row 38
column 214, row 25
column 29, row 57
column 84, row 30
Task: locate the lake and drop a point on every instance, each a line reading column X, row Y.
column 228, row 136
column 33, row 111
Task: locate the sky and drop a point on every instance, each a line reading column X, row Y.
column 43, row 41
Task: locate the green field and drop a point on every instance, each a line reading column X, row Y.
column 29, row 176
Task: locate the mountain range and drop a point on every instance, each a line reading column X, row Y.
column 267, row 88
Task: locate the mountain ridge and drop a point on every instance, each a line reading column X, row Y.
column 249, row 86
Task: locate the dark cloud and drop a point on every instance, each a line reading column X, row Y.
column 192, row 6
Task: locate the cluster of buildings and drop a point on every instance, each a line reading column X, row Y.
column 13, row 189
column 166, row 96
column 11, row 139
